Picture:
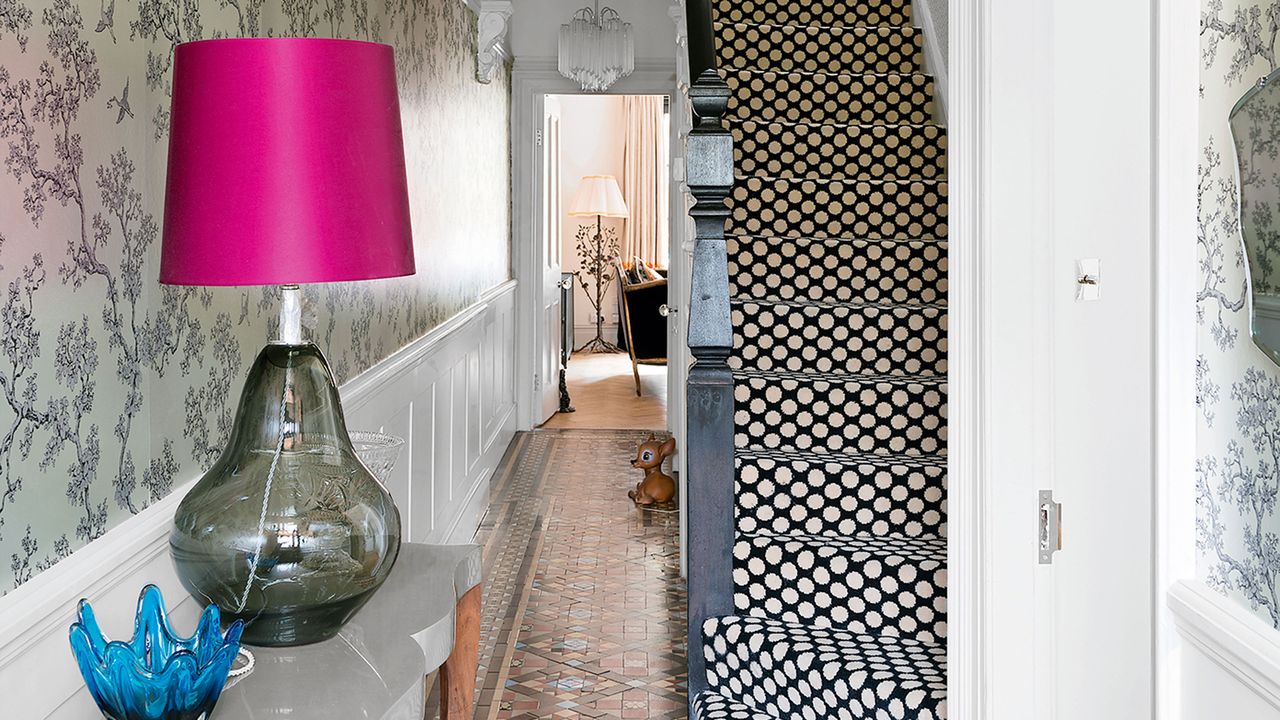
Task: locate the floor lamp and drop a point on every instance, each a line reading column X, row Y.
column 599, row 196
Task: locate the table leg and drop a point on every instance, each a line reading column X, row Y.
column 458, row 675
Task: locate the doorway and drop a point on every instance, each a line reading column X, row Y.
column 606, row 217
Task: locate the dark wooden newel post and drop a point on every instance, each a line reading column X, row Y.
column 710, row 389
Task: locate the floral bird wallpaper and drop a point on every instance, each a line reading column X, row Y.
column 1237, row 386
column 115, row 389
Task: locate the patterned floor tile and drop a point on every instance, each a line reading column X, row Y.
column 584, row 607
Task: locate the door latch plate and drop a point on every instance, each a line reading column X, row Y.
column 1050, row 537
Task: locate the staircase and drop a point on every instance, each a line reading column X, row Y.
column 834, row 257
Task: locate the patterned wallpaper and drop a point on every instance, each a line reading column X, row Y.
column 112, row 388
column 1237, row 387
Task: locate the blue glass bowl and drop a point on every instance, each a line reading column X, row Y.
column 158, row 675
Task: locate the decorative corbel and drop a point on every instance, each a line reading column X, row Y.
column 677, row 14
column 491, row 35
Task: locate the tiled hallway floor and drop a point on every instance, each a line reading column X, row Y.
column 584, row 607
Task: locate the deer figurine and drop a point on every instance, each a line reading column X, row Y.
column 657, row 487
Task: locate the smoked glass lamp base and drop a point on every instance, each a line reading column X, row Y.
column 288, row 531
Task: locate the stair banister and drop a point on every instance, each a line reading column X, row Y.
column 710, row 405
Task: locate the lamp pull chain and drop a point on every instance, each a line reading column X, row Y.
column 266, row 492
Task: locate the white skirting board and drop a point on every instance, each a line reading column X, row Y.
column 450, row 394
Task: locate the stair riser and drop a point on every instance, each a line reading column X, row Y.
column 837, row 272
column 812, row 209
column 898, row 592
column 827, row 13
column 793, row 672
column 830, row 98
column 816, row 498
column 791, row 48
column 848, row 339
column 857, row 152
column 879, row 418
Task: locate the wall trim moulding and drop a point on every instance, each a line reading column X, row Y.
column 1234, row 638
column 450, row 393
column 533, row 66
column 491, row 37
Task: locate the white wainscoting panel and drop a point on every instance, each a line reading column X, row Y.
column 450, row 394
column 1231, row 662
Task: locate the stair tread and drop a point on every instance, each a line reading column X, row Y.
column 832, row 74
column 825, row 95
column 932, row 548
column 842, row 377
column 815, row 48
column 844, row 458
column 714, row 706
column 732, row 122
column 831, row 13
column 893, row 585
column 819, row 496
column 761, row 179
column 801, row 240
column 758, row 664
column 812, row 26
column 850, row 304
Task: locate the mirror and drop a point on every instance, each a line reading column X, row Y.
column 1255, row 130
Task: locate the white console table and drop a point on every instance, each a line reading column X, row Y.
column 425, row 617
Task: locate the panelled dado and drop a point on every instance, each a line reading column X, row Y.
column 450, row 395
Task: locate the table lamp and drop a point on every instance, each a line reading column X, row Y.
column 286, row 166
column 597, row 195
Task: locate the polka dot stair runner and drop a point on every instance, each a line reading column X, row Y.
column 838, row 281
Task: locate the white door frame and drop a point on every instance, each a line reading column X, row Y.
column 531, row 81
column 1177, row 154
column 967, row 661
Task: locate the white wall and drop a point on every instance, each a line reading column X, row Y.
column 592, row 131
column 535, row 26
column 1212, row 693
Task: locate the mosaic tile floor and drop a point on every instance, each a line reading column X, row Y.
column 584, row 607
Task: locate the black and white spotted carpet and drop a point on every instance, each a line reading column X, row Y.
column 838, row 276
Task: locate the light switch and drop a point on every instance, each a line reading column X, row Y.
column 1088, row 280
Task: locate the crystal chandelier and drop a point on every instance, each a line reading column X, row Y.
column 596, row 48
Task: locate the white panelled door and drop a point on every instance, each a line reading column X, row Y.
column 1065, row 140
column 549, row 340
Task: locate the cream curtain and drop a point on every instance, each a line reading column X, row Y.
column 644, row 179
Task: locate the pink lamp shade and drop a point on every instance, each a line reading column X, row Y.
column 286, row 164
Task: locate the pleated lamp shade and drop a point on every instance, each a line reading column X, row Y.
column 598, row 195
column 286, row 164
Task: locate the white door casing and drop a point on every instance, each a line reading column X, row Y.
column 532, row 80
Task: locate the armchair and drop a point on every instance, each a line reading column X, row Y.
column 644, row 329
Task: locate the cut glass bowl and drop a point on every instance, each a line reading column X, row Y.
column 377, row 451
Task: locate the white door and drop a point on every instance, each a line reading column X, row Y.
column 549, row 342
column 1068, row 385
